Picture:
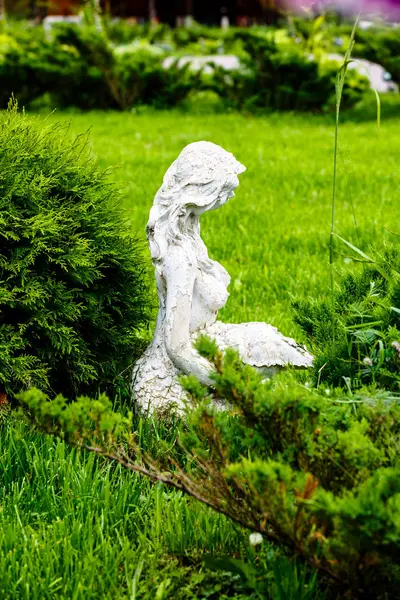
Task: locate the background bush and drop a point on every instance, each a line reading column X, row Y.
column 127, row 75
column 100, row 64
column 73, row 291
column 381, row 46
column 283, row 78
column 379, row 43
column 30, row 65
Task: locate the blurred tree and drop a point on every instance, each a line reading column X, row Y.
column 25, row 8
column 271, row 10
column 39, row 9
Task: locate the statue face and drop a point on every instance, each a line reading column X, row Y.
column 227, row 192
column 203, row 177
column 214, row 202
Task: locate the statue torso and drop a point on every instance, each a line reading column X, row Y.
column 210, row 294
column 210, row 290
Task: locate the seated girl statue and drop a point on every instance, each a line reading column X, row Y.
column 192, row 288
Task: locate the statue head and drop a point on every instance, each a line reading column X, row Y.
column 202, row 178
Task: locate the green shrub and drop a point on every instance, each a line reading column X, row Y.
column 32, row 65
column 142, row 78
column 282, row 78
column 318, row 477
column 80, row 66
column 122, row 32
column 131, row 74
column 185, row 36
column 381, row 45
column 101, row 64
column 73, row 292
column 363, row 347
column 29, row 64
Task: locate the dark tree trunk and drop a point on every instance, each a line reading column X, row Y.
column 152, row 11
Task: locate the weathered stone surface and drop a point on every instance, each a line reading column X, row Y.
column 192, row 288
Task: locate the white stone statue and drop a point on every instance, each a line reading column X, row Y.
column 192, row 288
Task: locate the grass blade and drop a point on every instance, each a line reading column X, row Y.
column 340, row 78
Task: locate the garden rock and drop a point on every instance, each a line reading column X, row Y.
column 230, row 62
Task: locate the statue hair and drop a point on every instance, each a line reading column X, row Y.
column 198, row 177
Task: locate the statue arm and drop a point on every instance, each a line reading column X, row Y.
column 180, row 275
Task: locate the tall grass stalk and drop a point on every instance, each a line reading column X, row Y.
column 340, row 79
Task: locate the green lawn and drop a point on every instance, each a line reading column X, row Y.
column 74, row 527
column 272, row 237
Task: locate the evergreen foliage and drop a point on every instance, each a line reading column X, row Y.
column 366, row 344
column 315, row 476
column 73, row 291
